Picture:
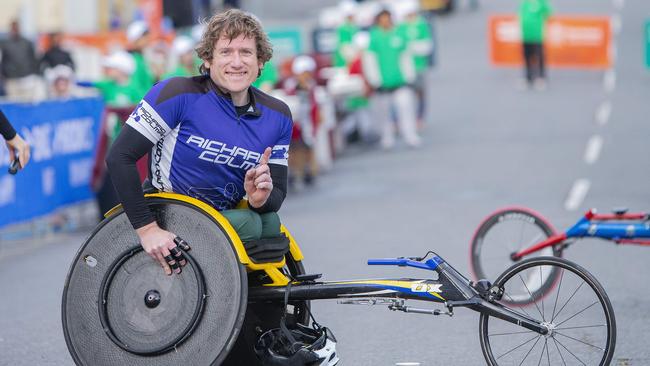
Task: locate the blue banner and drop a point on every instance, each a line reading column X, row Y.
column 63, row 136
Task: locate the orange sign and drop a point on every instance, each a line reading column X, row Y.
column 104, row 41
column 576, row 42
column 153, row 14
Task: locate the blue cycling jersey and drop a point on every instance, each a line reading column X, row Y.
column 202, row 147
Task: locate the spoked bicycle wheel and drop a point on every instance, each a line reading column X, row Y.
column 505, row 232
column 577, row 312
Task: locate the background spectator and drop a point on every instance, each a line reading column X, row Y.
column 345, row 52
column 118, row 88
column 138, row 36
column 55, row 55
column 417, row 32
column 302, row 165
column 60, row 82
column 183, row 50
column 533, row 15
column 19, row 66
column 389, row 69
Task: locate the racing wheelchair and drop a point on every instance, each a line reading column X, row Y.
column 118, row 308
column 512, row 233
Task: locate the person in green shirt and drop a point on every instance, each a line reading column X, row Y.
column 344, row 52
column 532, row 17
column 117, row 88
column 183, row 48
column 138, row 36
column 356, row 121
column 120, row 96
column 389, row 69
column 417, row 32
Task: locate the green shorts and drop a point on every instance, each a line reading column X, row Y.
column 250, row 225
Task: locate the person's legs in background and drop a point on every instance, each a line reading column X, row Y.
column 405, row 103
column 420, row 85
column 380, row 105
column 529, row 53
column 540, row 81
column 298, row 160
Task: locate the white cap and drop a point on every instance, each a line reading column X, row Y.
column 182, row 45
column 411, row 7
column 197, row 31
column 136, row 30
column 361, row 40
column 303, row 63
column 120, row 60
column 57, row 72
column 404, row 8
column 347, row 7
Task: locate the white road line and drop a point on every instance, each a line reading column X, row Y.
column 603, row 112
column 617, row 23
column 593, row 149
column 577, row 194
column 609, row 80
column 618, row 4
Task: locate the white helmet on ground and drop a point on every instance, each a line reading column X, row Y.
column 299, row 346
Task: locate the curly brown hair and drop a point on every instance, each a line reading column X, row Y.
column 231, row 24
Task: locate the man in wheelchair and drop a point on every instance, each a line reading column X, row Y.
column 213, row 137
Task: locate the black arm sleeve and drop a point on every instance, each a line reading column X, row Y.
column 129, row 146
column 279, row 175
column 6, row 129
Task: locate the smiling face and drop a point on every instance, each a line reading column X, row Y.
column 234, row 66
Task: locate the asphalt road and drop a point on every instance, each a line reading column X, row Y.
column 487, row 144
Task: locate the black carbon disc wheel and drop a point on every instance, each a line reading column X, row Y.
column 119, row 308
column 577, row 312
column 133, row 287
column 505, row 232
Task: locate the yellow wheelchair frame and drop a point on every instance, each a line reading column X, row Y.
column 272, row 269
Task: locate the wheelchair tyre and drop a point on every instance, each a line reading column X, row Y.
column 108, row 283
column 504, row 232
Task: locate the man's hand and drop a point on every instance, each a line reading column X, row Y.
column 258, row 183
column 162, row 246
column 18, row 145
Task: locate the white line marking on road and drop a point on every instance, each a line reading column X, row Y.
column 593, row 149
column 617, row 23
column 603, row 112
column 577, row 194
column 618, row 4
column 609, row 80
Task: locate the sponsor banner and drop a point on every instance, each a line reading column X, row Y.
column 575, row 42
column 63, row 136
column 287, row 42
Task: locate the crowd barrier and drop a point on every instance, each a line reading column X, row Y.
column 63, row 136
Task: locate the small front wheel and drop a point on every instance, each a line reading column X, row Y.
column 505, row 232
column 577, row 313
